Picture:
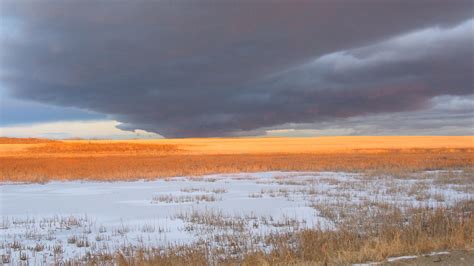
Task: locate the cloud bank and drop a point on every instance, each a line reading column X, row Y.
column 209, row 68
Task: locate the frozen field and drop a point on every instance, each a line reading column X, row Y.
column 58, row 221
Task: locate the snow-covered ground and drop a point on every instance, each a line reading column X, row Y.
column 45, row 223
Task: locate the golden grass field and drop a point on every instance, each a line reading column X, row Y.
column 40, row 160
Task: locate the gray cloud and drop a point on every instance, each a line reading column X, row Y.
column 447, row 115
column 236, row 67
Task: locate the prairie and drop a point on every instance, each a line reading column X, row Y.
column 36, row 160
column 246, row 201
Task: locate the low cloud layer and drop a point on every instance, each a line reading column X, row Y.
column 239, row 68
column 447, row 115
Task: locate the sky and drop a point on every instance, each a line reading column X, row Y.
column 150, row 69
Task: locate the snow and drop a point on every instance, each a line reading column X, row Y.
column 392, row 259
column 113, row 215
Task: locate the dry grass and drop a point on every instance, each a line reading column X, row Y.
column 4, row 140
column 251, row 145
column 41, row 160
column 413, row 231
column 129, row 167
column 184, row 198
column 373, row 233
column 90, row 148
column 359, row 219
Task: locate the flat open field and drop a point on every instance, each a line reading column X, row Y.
column 247, row 201
column 42, row 160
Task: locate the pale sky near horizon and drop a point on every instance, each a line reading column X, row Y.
column 147, row 69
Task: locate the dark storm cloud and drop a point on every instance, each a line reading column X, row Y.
column 447, row 115
column 198, row 68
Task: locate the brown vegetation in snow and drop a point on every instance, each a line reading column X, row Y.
column 396, row 232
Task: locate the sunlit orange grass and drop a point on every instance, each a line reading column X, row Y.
column 5, row 140
column 42, row 160
column 73, row 149
column 395, row 162
column 40, row 147
column 306, row 145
